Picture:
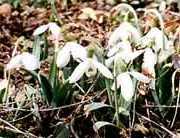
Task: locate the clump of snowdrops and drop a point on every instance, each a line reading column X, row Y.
column 130, row 58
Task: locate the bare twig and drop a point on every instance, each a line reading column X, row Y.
column 177, row 102
column 16, row 130
column 162, row 127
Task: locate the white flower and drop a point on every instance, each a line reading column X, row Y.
column 73, row 49
column 156, row 37
column 122, row 50
column 125, row 82
column 124, row 32
column 85, row 66
column 149, row 61
column 26, row 60
column 53, row 27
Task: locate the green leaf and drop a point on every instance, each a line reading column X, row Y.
column 61, row 94
column 164, row 85
column 44, row 53
column 62, row 131
column 46, row 88
column 95, row 106
column 37, row 47
column 53, row 73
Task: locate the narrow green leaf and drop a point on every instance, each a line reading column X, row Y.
column 61, row 94
column 53, row 73
column 37, row 47
column 46, row 88
column 44, row 51
column 62, row 131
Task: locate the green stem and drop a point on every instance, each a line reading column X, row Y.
column 116, row 98
column 109, row 92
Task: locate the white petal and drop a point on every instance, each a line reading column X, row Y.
column 41, row 29
column 78, row 52
column 121, row 47
column 125, row 46
column 63, row 57
column 55, row 30
column 157, row 36
column 29, row 61
column 79, row 71
column 149, row 62
column 123, row 33
column 134, row 55
column 110, row 61
column 3, row 84
column 103, row 69
column 113, row 51
column 15, row 62
column 127, row 89
column 150, row 57
column 140, row 76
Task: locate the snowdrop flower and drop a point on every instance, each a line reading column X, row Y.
column 124, row 32
column 85, row 66
column 26, row 60
column 73, row 49
column 156, row 37
column 124, row 51
column 149, row 61
column 53, row 27
column 125, row 82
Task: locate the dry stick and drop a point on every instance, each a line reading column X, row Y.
column 50, row 109
column 162, row 127
column 160, row 106
column 18, row 119
column 147, row 110
column 175, row 114
column 17, row 130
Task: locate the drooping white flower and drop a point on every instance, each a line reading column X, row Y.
column 73, row 49
column 124, row 32
column 53, row 27
column 124, row 82
column 25, row 60
column 149, row 61
column 139, row 76
column 124, row 51
column 155, row 37
column 85, row 66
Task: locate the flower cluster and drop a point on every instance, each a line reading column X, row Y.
column 121, row 52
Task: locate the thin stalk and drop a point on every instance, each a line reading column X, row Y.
column 109, row 92
column 123, row 6
column 116, row 98
column 177, row 102
column 116, row 103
